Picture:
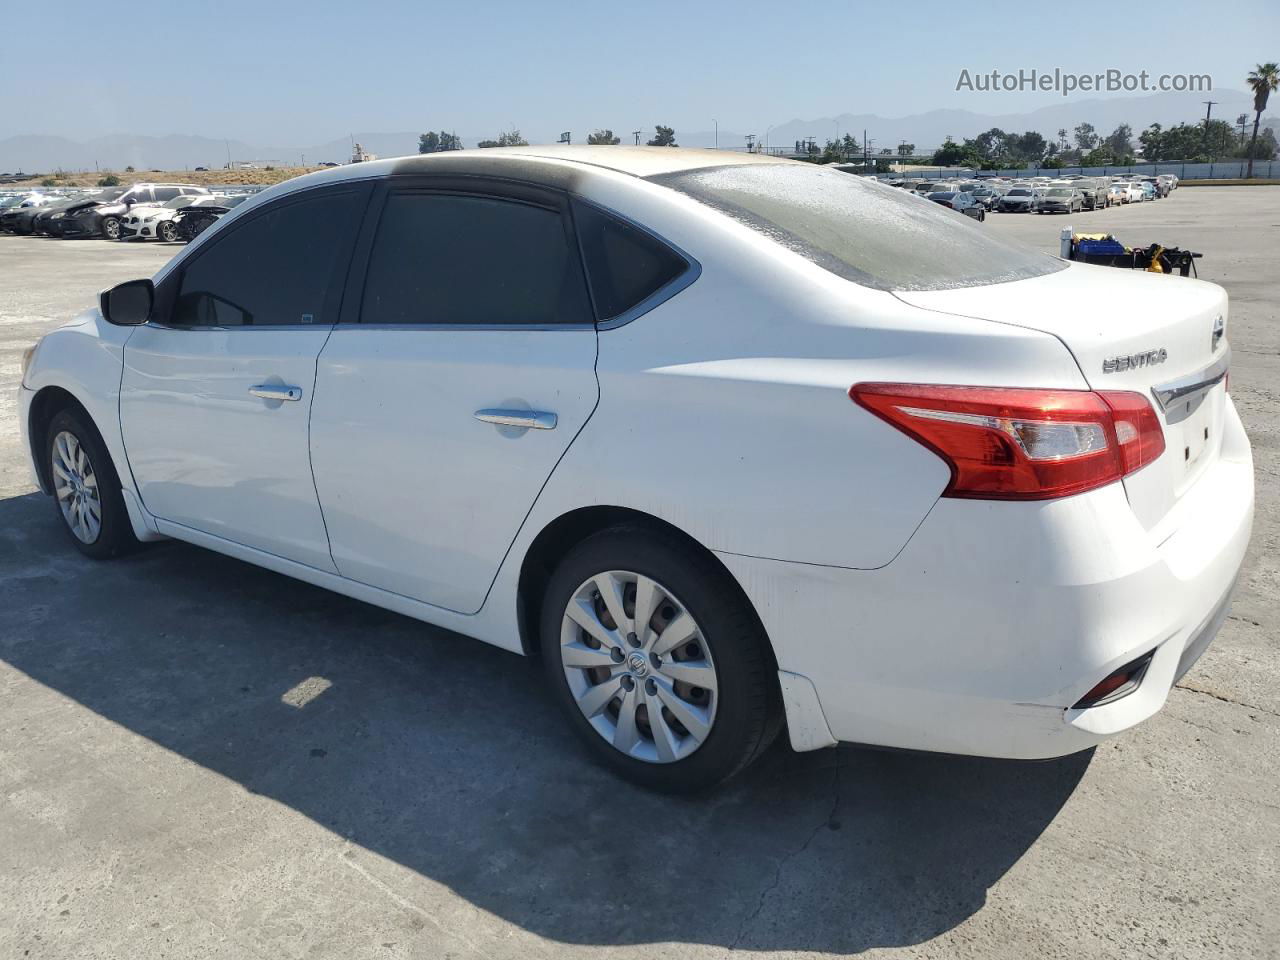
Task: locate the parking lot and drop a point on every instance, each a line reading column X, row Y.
column 199, row 758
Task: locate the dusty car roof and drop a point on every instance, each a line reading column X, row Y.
column 637, row 161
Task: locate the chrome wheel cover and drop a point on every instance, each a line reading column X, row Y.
column 76, row 486
column 638, row 667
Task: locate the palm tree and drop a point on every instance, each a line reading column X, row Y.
column 1262, row 81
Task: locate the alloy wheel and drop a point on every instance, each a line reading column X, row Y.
column 638, row 666
column 76, row 486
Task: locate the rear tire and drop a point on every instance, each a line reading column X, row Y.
column 730, row 721
column 87, row 495
column 110, row 228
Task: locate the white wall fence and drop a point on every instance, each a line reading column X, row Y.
column 1219, row 170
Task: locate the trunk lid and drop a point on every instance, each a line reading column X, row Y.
column 1163, row 337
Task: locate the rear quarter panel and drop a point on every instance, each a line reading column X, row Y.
column 725, row 410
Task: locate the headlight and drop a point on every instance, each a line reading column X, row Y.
column 28, row 355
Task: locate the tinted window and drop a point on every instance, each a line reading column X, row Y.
column 624, row 263
column 873, row 237
column 274, row 268
column 166, row 193
column 448, row 258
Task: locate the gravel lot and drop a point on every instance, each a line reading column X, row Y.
column 202, row 759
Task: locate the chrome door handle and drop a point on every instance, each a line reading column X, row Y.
column 531, row 419
column 276, row 391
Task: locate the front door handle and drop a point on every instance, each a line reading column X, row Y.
column 529, row 419
column 276, row 391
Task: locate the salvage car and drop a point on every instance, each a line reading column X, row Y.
column 961, row 202
column 48, row 221
column 156, row 222
column 735, row 444
column 191, row 221
column 20, row 217
column 102, row 216
column 1018, row 200
column 1059, row 200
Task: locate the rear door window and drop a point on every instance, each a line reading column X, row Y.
column 446, row 258
column 872, row 235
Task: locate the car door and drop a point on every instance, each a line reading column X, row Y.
column 450, row 391
column 217, row 387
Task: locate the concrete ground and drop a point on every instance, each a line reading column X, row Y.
column 202, row 759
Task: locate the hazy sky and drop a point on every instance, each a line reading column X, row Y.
column 305, row 72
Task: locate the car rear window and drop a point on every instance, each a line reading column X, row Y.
column 872, row 235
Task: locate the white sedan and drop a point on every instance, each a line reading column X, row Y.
column 734, row 444
column 1131, row 192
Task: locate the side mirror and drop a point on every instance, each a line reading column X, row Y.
column 128, row 304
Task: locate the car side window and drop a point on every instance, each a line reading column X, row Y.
column 625, row 264
column 164, row 194
column 276, row 268
column 478, row 260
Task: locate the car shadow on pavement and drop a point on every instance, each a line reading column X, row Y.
column 445, row 755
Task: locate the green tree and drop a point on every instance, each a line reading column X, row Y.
column 110, row 180
column 431, row 142
column 906, row 149
column 1152, row 142
column 48, row 182
column 1030, row 148
column 1086, row 137
column 511, row 138
column 663, row 137
column 952, row 154
column 603, row 137
column 1262, row 80
column 1118, row 142
column 1263, row 148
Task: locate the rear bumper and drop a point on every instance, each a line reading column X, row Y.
column 997, row 617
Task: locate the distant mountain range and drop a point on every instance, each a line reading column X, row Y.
column 39, row 154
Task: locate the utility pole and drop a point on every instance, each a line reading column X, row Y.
column 636, row 134
column 1208, row 109
column 717, row 123
column 228, row 146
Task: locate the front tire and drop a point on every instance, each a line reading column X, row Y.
column 166, row 231
column 87, row 493
column 657, row 660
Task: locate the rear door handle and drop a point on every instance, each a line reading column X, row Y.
column 276, row 391
column 531, row 419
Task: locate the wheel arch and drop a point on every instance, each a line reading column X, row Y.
column 45, row 405
column 566, row 531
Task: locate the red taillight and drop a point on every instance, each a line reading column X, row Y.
column 1005, row 443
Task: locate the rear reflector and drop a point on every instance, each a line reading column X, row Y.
column 1005, row 443
column 1116, row 685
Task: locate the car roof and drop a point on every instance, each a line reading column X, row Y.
column 553, row 161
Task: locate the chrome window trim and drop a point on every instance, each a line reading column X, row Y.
column 247, row 326
column 1193, row 384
